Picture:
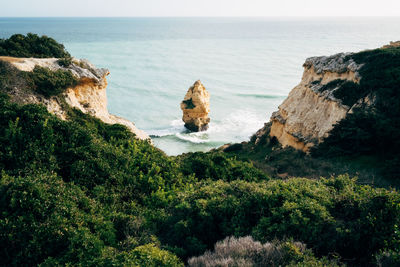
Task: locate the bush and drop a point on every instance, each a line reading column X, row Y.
column 43, row 217
column 388, row 259
column 32, row 45
column 244, row 251
column 219, row 166
column 331, row 216
column 65, row 61
column 50, row 83
column 350, row 93
column 150, row 255
column 189, row 104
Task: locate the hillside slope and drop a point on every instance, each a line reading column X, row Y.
column 82, row 192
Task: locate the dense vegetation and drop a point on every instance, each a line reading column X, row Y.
column 84, row 193
column 32, row 45
column 348, row 92
column 374, row 130
column 331, row 216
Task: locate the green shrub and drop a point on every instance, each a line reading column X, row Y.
column 189, row 104
column 218, row 166
column 43, row 217
column 147, row 255
column 65, row 61
column 331, row 216
column 350, row 93
column 331, row 85
column 150, row 255
column 32, row 45
column 50, row 83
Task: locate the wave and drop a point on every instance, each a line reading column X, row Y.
column 236, row 127
column 195, row 138
column 176, row 126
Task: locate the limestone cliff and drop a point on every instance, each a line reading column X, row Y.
column 89, row 95
column 311, row 109
column 392, row 45
column 195, row 107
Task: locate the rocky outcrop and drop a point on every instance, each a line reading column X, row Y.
column 195, row 107
column 89, row 95
column 310, row 111
column 392, row 44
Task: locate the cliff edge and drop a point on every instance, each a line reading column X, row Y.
column 311, row 109
column 89, row 95
column 333, row 87
column 345, row 106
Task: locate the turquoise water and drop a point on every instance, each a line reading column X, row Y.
column 248, row 65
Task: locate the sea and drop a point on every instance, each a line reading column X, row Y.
column 248, row 65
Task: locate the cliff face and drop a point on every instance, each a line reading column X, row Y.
column 311, row 109
column 89, row 95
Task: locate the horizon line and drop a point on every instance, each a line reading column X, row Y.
column 222, row 16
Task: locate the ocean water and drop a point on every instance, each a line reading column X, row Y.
column 248, row 65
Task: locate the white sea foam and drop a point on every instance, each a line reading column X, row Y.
column 196, row 138
column 176, row 126
column 237, row 126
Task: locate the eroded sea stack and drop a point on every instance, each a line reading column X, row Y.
column 195, row 107
column 89, row 95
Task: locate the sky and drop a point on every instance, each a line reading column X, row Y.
column 195, row 8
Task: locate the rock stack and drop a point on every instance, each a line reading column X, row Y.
column 195, row 107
